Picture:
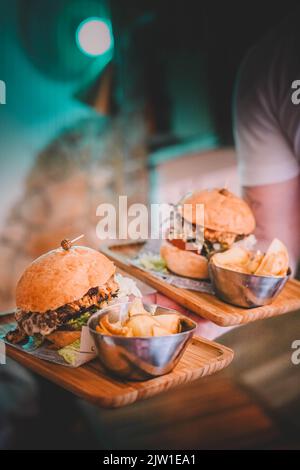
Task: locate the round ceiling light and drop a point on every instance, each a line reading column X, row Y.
column 94, row 36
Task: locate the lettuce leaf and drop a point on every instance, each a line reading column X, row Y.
column 69, row 352
column 153, row 262
column 78, row 322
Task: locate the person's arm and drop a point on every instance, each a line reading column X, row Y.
column 266, row 150
column 277, row 211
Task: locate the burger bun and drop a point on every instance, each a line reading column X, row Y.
column 60, row 277
column 183, row 262
column 223, row 211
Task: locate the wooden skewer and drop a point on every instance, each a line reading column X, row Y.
column 77, row 238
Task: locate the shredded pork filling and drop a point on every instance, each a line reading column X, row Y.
column 30, row 323
column 224, row 238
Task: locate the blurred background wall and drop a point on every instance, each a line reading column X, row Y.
column 107, row 98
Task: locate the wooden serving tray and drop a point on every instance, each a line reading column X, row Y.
column 205, row 305
column 91, row 382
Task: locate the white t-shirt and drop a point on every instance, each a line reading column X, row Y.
column 267, row 122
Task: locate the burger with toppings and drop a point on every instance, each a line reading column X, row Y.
column 59, row 291
column 226, row 219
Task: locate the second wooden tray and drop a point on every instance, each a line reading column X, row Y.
column 205, row 305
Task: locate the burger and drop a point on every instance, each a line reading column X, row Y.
column 227, row 219
column 59, row 291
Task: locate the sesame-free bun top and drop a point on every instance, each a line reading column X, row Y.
column 223, row 211
column 60, row 277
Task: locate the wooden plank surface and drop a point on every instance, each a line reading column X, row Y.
column 93, row 383
column 206, row 305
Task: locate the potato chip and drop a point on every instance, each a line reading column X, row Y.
column 140, row 322
column 114, row 328
column 255, row 261
column 129, row 333
column 276, row 260
column 236, row 268
column 170, row 322
column 159, row 331
column 137, row 308
column 274, row 263
column 235, row 256
column 141, row 325
column 100, row 328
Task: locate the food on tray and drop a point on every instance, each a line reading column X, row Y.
column 59, row 291
column 227, row 220
column 137, row 308
column 153, row 262
column 69, row 352
column 169, row 321
column 238, row 259
column 140, row 323
column 274, row 262
column 64, row 338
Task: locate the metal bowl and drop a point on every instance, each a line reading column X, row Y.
column 245, row 290
column 139, row 358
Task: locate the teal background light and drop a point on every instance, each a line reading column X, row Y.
column 43, row 69
column 94, row 36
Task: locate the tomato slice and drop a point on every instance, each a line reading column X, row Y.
column 179, row 243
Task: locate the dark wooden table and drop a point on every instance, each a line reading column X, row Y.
column 254, row 403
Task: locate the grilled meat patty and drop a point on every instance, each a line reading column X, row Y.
column 30, row 323
column 204, row 246
column 224, row 238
